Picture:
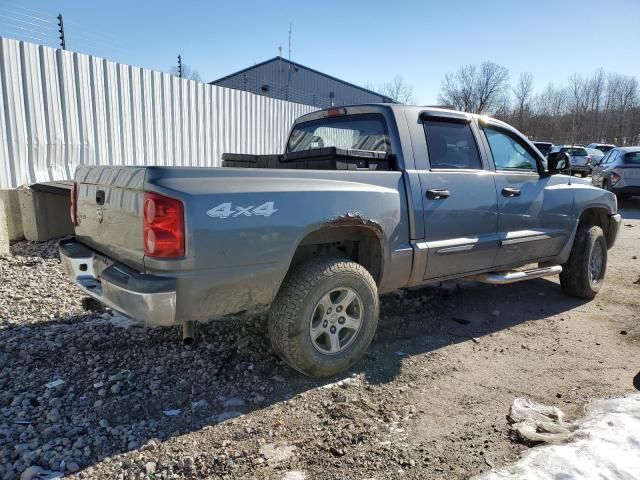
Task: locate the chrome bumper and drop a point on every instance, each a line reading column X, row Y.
column 149, row 298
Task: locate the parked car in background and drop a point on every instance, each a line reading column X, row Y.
column 619, row 172
column 596, row 156
column 603, row 147
column 580, row 159
column 544, row 147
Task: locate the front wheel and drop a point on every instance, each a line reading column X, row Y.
column 584, row 174
column 584, row 272
column 324, row 316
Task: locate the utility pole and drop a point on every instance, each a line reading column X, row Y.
column 289, row 42
column 180, row 66
column 61, row 31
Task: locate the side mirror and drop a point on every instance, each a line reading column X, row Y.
column 559, row 162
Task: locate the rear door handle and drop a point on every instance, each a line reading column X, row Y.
column 438, row 194
column 510, row 192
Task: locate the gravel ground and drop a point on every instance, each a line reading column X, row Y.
column 92, row 396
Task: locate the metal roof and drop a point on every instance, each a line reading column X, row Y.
column 298, row 65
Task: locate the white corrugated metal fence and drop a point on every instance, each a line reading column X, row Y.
column 61, row 109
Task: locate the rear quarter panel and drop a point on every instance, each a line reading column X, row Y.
column 239, row 261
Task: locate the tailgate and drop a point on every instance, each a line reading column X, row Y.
column 109, row 208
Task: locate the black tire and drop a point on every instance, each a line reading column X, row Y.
column 584, row 175
column 293, row 310
column 580, row 277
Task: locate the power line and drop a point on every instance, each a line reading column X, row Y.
column 26, row 37
column 14, row 19
column 34, row 32
column 32, row 17
column 37, row 12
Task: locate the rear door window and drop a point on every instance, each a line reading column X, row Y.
column 451, row 145
column 632, row 158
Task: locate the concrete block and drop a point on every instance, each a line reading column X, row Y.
column 4, row 232
column 45, row 215
column 12, row 214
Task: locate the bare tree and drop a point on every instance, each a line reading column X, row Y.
column 523, row 92
column 477, row 89
column 187, row 72
column 397, row 89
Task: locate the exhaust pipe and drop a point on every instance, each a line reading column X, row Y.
column 188, row 332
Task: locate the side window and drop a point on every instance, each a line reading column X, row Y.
column 508, row 153
column 451, row 145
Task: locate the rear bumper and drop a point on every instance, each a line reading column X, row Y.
column 614, row 228
column 626, row 190
column 149, row 298
column 581, row 168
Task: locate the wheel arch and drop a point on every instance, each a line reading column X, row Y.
column 597, row 215
column 351, row 237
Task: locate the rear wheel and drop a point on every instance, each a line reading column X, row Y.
column 324, row 316
column 584, row 174
column 584, row 272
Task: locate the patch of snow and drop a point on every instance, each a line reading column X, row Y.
column 604, row 444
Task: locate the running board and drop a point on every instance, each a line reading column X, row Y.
column 500, row 278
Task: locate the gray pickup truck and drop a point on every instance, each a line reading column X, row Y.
column 365, row 200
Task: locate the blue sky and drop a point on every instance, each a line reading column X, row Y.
column 363, row 42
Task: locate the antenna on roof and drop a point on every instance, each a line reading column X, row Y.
column 280, row 50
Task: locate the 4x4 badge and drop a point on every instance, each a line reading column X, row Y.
column 226, row 210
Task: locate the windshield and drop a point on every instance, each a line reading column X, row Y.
column 604, row 148
column 359, row 132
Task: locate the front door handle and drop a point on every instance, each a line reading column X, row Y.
column 438, row 194
column 510, row 192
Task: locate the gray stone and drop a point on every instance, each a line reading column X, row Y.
column 10, row 206
column 149, row 468
column 45, row 215
column 4, row 231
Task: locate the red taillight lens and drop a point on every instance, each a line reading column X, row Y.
column 163, row 226
column 73, row 211
column 615, row 178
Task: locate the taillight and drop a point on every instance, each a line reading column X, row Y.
column 588, row 159
column 163, row 226
column 615, row 178
column 73, row 211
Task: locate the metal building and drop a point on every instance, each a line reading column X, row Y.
column 286, row 80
